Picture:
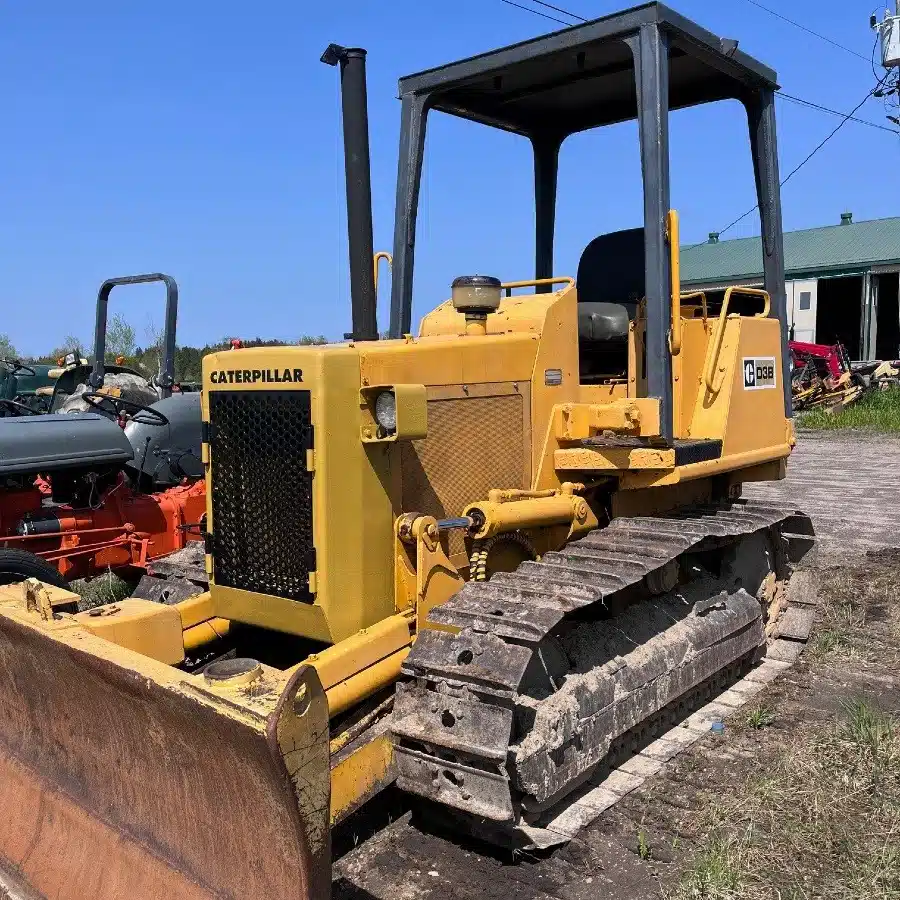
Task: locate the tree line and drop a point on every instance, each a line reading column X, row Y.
column 121, row 344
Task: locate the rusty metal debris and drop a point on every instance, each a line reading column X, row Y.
column 823, row 377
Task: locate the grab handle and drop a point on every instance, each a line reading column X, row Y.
column 380, row 255
column 712, row 360
column 672, row 235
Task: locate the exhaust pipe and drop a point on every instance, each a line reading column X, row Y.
column 354, row 106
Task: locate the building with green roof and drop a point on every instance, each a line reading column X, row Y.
column 842, row 281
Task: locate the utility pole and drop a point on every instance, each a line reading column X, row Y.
column 888, row 89
column 888, row 30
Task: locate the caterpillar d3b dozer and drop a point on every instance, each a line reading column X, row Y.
column 482, row 561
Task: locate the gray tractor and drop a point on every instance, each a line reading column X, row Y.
column 161, row 421
column 103, row 419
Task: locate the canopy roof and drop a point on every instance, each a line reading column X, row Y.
column 583, row 77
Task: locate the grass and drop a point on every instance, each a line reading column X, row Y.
column 855, row 607
column 830, row 640
column 643, row 845
column 823, row 820
column 717, row 873
column 876, row 411
column 760, row 717
column 106, row 588
column 874, row 733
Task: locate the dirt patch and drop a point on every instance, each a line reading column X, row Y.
column 799, row 798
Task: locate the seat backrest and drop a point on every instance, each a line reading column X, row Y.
column 610, row 286
column 602, row 322
column 611, row 269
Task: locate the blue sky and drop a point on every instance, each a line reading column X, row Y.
column 203, row 139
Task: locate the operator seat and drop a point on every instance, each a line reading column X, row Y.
column 611, row 283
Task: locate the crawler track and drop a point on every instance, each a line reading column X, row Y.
column 557, row 664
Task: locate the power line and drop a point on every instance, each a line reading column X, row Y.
column 834, row 112
column 783, row 94
column 536, row 12
column 821, row 37
column 559, row 9
column 755, row 3
column 846, row 118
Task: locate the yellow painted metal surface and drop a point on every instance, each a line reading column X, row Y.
column 603, row 393
column 267, row 611
column 688, row 373
column 439, row 483
column 361, row 650
column 673, row 232
column 352, row 519
column 437, row 578
column 558, row 352
column 152, row 629
column 448, row 359
column 613, row 459
column 533, row 512
column 195, row 610
column 520, row 314
column 744, row 420
column 713, row 364
column 359, row 775
column 654, row 501
column 631, row 481
column 205, row 633
column 59, row 597
column 363, row 684
column 576, row 421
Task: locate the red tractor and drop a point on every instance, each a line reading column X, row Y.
column 827, row 359
column 821, row 375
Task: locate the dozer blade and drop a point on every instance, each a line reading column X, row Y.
column 124, row 778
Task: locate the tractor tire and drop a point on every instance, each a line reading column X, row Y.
column 17, row 565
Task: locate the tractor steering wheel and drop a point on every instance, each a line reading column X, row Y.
column 17, row 409
column 17, row 368
column 117, row 406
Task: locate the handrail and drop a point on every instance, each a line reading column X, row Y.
column 380, row 255
column 672, row 236
column 535, row 282
column 692, row 295
column 709, row 371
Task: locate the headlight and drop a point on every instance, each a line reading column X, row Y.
column 386, row 411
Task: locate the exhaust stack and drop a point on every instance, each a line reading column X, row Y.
column 354, row 106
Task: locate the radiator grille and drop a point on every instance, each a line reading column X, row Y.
column 262, row 491
column 473, row 445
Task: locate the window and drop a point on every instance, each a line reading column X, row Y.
column 805, row 298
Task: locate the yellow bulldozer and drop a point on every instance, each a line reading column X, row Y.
column 481, row 561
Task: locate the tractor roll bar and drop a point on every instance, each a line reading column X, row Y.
column 167, row 376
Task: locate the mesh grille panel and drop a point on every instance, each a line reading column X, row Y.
column 262, row 492
column 473, row 445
